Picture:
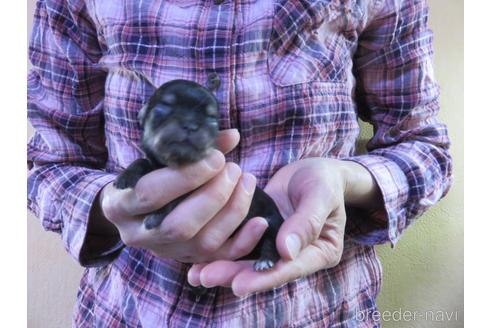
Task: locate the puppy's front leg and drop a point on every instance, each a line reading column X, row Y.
column 130, row 176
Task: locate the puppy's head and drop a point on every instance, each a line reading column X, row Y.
column 180, row 123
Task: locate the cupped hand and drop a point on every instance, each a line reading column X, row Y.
column 198, row 229
column 310, row 195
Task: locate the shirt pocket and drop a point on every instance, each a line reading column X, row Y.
column 309, row 42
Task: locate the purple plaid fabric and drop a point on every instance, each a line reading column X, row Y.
column 295, row 78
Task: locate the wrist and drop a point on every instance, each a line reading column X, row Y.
column 98, row 222
column 360, row 187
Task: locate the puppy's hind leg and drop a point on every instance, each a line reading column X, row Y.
column 268, row 255
column 154, row 219
column 268, row 247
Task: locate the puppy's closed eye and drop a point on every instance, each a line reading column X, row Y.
column 169, row 99
column 161, row 111
column 211, row 111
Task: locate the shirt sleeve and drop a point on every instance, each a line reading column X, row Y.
column 396, row 92
column 67, row 154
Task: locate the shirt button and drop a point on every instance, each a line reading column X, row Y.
column 213, row 81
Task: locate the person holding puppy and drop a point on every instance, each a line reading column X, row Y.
column 291, row 78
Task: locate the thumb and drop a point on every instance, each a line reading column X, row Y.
column 227, row 140
column 304, row 226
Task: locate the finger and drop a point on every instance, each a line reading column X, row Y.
column 244, row 242
column 110, row 198
column 227, row 140
column 189, row 252
column 221, row 273
column 161, row 186
column 249, row 281
column 194, row 274
column 304, row 226
column 197, row 209
column 221, row 227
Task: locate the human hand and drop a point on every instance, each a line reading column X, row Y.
column 311, row 194
column 198, row 229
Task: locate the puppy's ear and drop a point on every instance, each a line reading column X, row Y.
column 142, row 114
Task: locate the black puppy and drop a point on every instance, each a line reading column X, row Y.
column 180, row 125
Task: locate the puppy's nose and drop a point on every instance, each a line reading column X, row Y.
column 190, row 125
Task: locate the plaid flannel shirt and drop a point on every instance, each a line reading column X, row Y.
column 295, row 77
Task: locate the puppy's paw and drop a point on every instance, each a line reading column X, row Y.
column 153, row 220
column 198, row 291
column 263, row 265
column 126, row 180
column 130, row 176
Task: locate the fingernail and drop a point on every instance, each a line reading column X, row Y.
column 233, row 172
column 249, row 183
column 293, row 243
column 194, row 277
column 204, row 281
column 214, row 160
column 240, row 293
column 209, row 286
column 261, row 227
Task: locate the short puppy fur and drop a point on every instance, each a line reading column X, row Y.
column 180, row 125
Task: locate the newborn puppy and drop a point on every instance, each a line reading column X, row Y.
column 180, row 125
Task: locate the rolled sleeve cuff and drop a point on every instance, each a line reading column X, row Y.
column 88, row 250
column 386, row 224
